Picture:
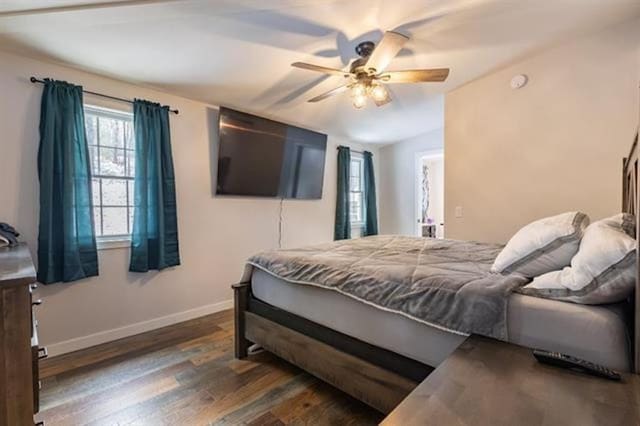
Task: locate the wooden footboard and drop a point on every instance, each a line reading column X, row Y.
column 240, row 299
column 372, row 384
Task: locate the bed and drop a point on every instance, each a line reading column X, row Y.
column 378, row 345
column 597, row 333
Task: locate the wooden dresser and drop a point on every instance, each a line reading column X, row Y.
column 19, row 350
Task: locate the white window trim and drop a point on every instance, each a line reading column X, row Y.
column 115, row 113
column 113, row 242
column 110, row 242
column 360, row 224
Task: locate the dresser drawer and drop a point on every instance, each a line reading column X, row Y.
column 37, row 352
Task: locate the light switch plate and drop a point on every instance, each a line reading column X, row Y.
column 459, row 211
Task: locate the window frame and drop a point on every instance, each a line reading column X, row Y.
column 359, row 159
column 118, row 240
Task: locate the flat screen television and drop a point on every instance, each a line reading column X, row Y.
column 264, row 158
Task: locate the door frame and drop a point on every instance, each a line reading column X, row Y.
column 417, row 198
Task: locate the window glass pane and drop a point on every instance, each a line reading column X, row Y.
column 355, row 207
column 95, row 191
column 130, row 220
column 114, row 192
column 97, row 220
column 93, row 160
column 90, row 124
column 356, row 175
column 131, row 193
column 111, row 132
column 115, row 220
column 128, row 135
column 112, row 162
column 131, row 163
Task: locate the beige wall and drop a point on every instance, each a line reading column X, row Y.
column 397, row 186
column 216, row 234
column 512, row 156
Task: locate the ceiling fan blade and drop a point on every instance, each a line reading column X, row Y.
column 390, row 45
column 318, row 68
column 415, row 76
column 330, row 93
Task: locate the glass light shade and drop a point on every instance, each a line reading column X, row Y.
column 359, row 101
column 358, row 89
column 379, row 93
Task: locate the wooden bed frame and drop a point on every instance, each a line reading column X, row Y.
column 630, row 204
column 376, row 376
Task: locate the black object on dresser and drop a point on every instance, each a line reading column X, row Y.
column 19, row 349
column 572, row 363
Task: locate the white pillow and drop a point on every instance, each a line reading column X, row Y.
column 542, row 246
column 603, row 271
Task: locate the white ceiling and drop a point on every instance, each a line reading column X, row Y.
column 237, row 52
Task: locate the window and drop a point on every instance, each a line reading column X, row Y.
column 111, row 151
column 356, row 198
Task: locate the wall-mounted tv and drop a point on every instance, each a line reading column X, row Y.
column 264, row 158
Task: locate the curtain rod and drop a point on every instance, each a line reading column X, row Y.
column 351, row 150
column 129, row 101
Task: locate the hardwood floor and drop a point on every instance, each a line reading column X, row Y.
column 186, row 374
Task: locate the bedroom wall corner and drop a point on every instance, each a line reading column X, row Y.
column 554, row 145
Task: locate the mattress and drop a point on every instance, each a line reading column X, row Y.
column 595, row 333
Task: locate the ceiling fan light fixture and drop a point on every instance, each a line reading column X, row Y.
column 359, row 89
column 359, row 101
column 379, row 93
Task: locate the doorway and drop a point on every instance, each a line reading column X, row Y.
column 429, row 182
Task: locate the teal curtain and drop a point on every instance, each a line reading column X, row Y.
column 370, row 204
column 154, row 242
column 66, row 234
column 342, row 229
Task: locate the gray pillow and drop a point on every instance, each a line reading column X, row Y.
column 542, row 246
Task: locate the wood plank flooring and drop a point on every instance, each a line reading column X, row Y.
column 186, row 374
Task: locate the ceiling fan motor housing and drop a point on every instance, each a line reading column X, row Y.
column 365, row 48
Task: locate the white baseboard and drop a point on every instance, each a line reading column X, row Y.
column 132, row 329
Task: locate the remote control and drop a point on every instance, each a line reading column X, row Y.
column 573, row 363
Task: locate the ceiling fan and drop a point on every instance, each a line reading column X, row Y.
column 367, row 76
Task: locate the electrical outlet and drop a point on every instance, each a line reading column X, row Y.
column 459, row 211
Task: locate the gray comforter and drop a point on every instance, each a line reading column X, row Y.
column 444, row 283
